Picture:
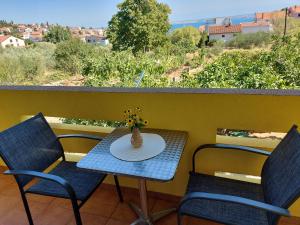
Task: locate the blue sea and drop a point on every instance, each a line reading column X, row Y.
column 197, row 24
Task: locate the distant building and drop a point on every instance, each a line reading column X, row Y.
column 269, row 16
column 253, row 27
column 223, row 21
column 294, row 11
column 10, row 41
column 223, row 33
column 94, row 39
column 5, row 30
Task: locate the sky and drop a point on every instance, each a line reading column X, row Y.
column 97, row 13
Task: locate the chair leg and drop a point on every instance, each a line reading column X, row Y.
column 76, row 212
column 118, row 189
column 179, row 219
column 26, row 206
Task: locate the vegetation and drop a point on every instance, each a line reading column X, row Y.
column 251, row 40
column 140, row 25
column 57, row 34
column 26, row 66
column 69, row 55
column 278, row 68
column 187, row 37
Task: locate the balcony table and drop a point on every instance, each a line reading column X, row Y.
column 161, row 168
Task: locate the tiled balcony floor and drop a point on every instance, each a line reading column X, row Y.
column 103, row 208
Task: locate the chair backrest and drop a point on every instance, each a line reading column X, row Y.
column 30, row 145
column 281, row 173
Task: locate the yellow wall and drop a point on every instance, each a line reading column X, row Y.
column 200, row 114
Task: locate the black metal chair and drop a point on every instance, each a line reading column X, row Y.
column 241, row 203
column 30, row 147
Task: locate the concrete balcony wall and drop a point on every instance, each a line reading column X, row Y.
column 199, row 112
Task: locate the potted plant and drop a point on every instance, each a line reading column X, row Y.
column 135, row 122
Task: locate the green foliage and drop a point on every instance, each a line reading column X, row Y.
column 275, row 69
column 57, row 34
column 121, row 69
column 100, row 123
column 248, row 41
column 25, row 65
column 69, row 55
column 140, row 25
column 187, row 37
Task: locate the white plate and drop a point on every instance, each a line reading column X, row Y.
column 153, row 145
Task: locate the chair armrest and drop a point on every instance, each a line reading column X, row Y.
column 226, row 146
column 85, row 136
column 234, row 199
column 45, row 176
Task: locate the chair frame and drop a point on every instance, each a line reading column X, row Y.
column 62, row 182
column 228, row 198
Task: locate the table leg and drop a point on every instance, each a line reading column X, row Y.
column 143, row 213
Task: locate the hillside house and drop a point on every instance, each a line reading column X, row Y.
column 294, row 11
column 269, row 16
column 10, row 41
column 253, row 27
column 223, row 33
column 94, row 39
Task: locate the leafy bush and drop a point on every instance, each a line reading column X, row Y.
column 109, row 68
column 58, row 34
column 69, row 55
column 187, row 37
column 275, row 69
column 250, row 40
column 24, row 65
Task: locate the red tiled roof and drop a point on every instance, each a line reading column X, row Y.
column 269, row 15
column 3, row 38
column 295, row 8
column 255, row 24
column 225, row 29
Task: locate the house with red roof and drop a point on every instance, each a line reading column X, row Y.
column 254, row 27
column 228, row 32
column 224, row 32
column 294, row 11
column 11, row 41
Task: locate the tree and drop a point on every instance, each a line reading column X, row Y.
column 187, row 37
column 140, row 25
column 58, row 34
column 69, row 55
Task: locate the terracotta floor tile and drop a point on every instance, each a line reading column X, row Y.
column 7, row 204
column 103, row 208
column 14, row 217
column 124, row 213
column 90, row 219
column 106, row 195
column 98, row 208
column 39, row 198
column 54, row 215
column 116, row 222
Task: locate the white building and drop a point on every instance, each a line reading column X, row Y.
column 94, row 39
column 10, row 41
column 254, row 27
column 223, row 33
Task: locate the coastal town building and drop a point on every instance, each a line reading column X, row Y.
column 11, row 41
column 223, row 33
column 253, row 27
column 269, row 16
column 294, row 11
column 228, row 32
column 94, row 39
